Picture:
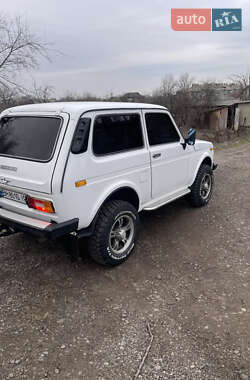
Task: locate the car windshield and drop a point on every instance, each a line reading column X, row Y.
column 29, row 137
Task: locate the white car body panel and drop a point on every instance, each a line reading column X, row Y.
column 202, row 150
column 156, row 181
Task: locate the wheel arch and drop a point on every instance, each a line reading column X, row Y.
column 125, row 192
column 206, row 159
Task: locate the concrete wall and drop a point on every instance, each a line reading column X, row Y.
column 244, row 114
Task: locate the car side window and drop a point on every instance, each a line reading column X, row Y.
column 117, row 133
column 160, row 129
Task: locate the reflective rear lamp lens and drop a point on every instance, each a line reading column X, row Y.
column 41, row 205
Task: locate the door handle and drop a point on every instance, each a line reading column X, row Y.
column 156, row 155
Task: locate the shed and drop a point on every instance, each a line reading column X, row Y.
column 244, row 108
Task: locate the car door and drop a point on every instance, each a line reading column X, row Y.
column 169, row 161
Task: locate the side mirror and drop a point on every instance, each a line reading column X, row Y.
column 190, row 140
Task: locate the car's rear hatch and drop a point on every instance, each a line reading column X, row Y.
column 29, row 147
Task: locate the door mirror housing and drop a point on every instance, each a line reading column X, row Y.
column 190, row 140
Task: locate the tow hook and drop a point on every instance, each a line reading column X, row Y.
column 6, row 230
column 214, row 166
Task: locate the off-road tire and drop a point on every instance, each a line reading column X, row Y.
column 99, row 243
column 195, row 197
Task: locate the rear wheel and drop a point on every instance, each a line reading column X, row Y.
column 115, row 233
column 202, row 188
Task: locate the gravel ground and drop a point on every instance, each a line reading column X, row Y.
column 188, row 278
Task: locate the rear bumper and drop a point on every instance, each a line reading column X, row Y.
column 36, row 227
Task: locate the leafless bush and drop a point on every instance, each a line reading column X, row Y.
column 71, row 97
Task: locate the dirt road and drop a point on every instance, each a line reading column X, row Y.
column 189, row 277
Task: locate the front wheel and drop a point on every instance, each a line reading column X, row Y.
column 115, row 233
column 202, row 188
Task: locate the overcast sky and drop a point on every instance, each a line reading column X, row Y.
column 120, row 46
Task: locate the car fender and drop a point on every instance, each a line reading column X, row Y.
column 108, row 191
column 197, row 167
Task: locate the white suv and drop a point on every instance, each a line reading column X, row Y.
column 88, row 168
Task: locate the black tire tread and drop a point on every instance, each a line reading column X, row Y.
column 195, row 198
column 95, row 245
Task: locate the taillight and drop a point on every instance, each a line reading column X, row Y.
column 40, row 205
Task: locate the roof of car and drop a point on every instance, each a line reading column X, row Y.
column 80, row 107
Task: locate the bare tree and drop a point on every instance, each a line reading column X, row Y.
column 164, row 95
column 168, row 85
column 185, row 82
column 242, row 81
column 74, row 97
column 8, row 97
column 41, row 94
column 202, row 102
column 184, row 100
column 19, row 50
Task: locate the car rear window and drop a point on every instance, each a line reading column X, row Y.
column 29, row 137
